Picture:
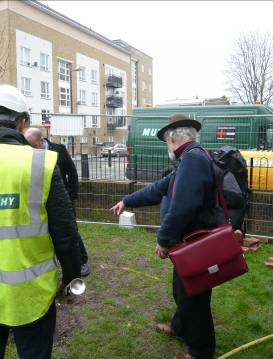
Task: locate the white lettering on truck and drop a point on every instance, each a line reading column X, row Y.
column 149, row 131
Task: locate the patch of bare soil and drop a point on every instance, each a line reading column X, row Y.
column 69, row 317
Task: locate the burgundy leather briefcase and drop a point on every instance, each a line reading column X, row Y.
column 208, row 258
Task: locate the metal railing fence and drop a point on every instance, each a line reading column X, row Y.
column 148, row 161
column 97, row 197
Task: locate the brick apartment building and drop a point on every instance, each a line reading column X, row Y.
column 87, row 81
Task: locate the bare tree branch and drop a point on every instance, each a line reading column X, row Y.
column 250, row 68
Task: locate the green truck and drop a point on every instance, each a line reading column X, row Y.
column 247, row 127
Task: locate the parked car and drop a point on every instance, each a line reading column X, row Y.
column 116, row 150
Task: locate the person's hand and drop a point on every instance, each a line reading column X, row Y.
column 118, row 208
column 162, row 252
column 239, row 236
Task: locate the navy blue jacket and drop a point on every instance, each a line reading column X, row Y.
column 186, row 195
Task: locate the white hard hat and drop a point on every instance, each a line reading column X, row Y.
column 12, row 99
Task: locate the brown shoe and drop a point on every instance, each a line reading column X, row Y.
column 183, row 356
column 166, row 329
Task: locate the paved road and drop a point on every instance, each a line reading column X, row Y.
column 101, row 168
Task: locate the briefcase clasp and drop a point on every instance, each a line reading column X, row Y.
column 213, row 269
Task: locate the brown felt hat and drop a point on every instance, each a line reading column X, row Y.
column 178, row 120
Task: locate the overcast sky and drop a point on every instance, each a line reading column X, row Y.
column 189, row 41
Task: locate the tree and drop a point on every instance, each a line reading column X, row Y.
column 250, row 68
column 4, row 53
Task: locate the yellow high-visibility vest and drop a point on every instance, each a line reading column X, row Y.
column 28, row 271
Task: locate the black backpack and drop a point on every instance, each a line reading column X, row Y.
column 231, row 169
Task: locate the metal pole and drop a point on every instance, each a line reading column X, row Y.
column 251, row 174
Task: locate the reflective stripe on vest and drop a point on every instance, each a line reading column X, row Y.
column 35, row 228
column 27, row 274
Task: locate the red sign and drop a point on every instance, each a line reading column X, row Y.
column 47, row 123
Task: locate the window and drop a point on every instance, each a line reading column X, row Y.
column 45, row 116
column 150, row 71
column 26, row 86
column 44, row 62
column 269, row 138
column 63, row 70
column 150, row 88
column 94, row 99
column 64, row 96
column 82, row 73
column 143, row 86
column 82, row 97
column 25, row 56
column 142, row 68
column 94, row 140
column 94, row 76
column 134, row 72
column 94, row 121
column 121, row 121
column 84, row 139
column 44, row 89
column 110, row 139
column 134, row 95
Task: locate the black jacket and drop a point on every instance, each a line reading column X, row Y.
column 61, row 220
column 67, row 168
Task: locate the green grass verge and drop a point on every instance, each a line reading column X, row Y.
column 129, row 291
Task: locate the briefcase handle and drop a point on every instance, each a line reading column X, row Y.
column 195, row 234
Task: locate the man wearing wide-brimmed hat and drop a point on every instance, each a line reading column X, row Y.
column 186, row 195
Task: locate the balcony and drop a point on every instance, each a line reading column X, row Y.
column 114, row 101
column 113, row 81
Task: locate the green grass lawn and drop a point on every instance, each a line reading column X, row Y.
column 129, row 291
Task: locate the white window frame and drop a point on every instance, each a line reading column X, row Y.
column 134, row 94
column 63, row 70
column 84, row 139
column 82, row 98
column 64, row 97
column 25, row 56
column 150, row 71
column 94, row 76
column 150, row 88
column 82, row 73
column 94, row 99
column 143, row 85
column 94, row 121
column 26, row 86
column 46, row 93
column 44, row 62
column 142, row 68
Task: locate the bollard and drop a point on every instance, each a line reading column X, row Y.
column 85, row 166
